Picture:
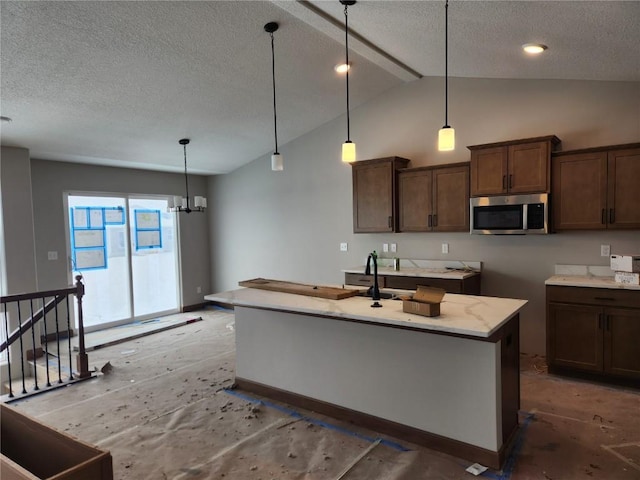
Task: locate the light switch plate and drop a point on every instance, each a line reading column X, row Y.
column 385, row 247
column 605, row 250
column 344, row 246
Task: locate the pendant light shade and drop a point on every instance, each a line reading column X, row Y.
column 183, row 204
column 277, row 163
column 446, row 139
column 348, row 152
column 348, row 147
column 446, row 135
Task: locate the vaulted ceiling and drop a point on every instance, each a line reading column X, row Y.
column 118, row 83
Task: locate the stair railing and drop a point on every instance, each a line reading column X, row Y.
column 13, row 308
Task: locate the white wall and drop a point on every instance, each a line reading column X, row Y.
column 19, row 266
column 289, row 225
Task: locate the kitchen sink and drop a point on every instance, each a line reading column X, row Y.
column 383, row 295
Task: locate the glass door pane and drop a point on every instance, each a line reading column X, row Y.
column 154, row 260
column 100, row 252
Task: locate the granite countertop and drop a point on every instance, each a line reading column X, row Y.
column 447, row 269
column 586, row 276
column 470, row 315
column 592, row 281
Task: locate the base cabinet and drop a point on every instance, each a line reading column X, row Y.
column 594, row 331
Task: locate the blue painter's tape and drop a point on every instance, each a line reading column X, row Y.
column 510, row 463
column 314, row 421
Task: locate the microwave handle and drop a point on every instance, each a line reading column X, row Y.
column 525, row 220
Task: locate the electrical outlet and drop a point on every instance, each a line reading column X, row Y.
column 52, row 255
column 394, row 247
column 445, row 248
column 385, row 247
column 344, row 246
column 605, row 250
column 198, row 289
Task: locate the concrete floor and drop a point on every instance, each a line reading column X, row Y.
column 163, row 414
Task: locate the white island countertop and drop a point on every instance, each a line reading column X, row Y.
column 470, row 315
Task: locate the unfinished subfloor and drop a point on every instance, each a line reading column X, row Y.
column 162, row 412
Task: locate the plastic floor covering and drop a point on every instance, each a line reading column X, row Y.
column 162, row 410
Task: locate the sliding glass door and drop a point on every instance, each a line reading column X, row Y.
column 125, row 248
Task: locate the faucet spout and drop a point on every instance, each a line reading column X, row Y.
column 375, row 290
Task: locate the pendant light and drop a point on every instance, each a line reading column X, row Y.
column 348, row 147
column 446, row 135
column 183, row 204
column 277, row 164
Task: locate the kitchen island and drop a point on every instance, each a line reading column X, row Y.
column 450, row 382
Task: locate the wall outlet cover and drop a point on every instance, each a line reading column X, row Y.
column 605, row 250
column 394, row 247
column 385, row 247
column 344, row 246
column 445, row 248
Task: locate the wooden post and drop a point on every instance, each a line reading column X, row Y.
column 82, row 359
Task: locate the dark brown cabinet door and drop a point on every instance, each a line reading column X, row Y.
column 622, row 341
column 451, row 199
column 415, row 205
column 580, row 191
column 623, row 189
column 528, row 168
column 489, row 171
column 575, row 337
column 434, row 199
column 374, row 194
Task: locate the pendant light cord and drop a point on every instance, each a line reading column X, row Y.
column 446, row 63
column 273, row 76
column 346, row 43
column 186, row 179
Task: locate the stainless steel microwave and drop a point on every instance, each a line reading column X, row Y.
column 510, row 214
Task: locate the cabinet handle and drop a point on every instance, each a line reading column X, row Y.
column 603, row 218
column 510, row 181
column 429, row 221
column 435, row 220
column 612, row 217
column 607, row 323
column 390, row 220
column 504, row 182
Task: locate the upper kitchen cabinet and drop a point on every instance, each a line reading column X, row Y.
column 597, row 188
column 375, row 196
column 434, row 199
column 513, row 167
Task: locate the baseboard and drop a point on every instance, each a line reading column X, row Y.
column 193, row 308
column 51, row 337
column 420, row 437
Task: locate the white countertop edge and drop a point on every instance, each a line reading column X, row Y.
column 417, row 322
column 589, row 281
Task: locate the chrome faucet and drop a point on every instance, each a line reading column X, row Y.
column 375, row 290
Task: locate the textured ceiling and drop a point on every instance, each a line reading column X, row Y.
column 118, row 83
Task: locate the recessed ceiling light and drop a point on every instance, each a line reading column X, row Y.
column 5, row 119
column 534, row 48
column 342, row 68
